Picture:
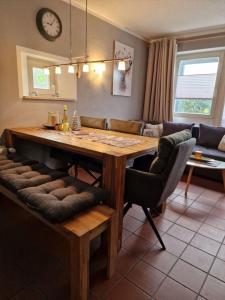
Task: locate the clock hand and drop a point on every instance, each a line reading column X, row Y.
column 53, row 22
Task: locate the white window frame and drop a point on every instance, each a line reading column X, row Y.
column 35, row 62
column 215, row 100
column 69, row 93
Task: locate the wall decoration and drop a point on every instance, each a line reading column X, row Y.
column 48, row 24
column 122, row 76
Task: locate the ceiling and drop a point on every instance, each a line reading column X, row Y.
column 154, row 18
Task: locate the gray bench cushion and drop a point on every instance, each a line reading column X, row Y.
column 61, row 199
column 27, row 176
column 12, row 161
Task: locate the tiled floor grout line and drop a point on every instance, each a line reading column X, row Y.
column 208, row 273
column 125, row 276
column 167, row 275
column 214, row 256
column 189, row 244
column 178, row 257
column 195, row 233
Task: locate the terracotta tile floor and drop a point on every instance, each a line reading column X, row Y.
column 34, row 260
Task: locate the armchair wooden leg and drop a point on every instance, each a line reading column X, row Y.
column 153, row 226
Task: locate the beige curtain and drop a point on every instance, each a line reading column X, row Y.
column 158, row 102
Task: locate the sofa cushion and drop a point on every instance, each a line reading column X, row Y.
column 165, row 148
column 210, row 136
column 211, row 153
column 172, row 127
column 28, row 175
column 61, row 199
column 133, row 127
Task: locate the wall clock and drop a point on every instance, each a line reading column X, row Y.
column 48, row 24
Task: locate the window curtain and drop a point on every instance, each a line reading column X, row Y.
column 159, row 93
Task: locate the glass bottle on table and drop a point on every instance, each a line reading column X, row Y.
column 65, row 119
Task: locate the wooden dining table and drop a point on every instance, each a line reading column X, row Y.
column 114, row 158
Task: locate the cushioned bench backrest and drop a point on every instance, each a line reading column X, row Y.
column 132, row 127
column 99, row 123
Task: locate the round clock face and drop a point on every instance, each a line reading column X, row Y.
column 49, row 24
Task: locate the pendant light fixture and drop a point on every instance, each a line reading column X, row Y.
column 71, row 69
column 85, row 65
column 58, row 70
column 82, row 62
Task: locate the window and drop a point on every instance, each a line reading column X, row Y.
column 39, row 82
column 40, row 79
column 35, row 84
column 196, row 82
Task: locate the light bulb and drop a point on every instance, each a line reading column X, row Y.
column 71, row 69
column 46, row 71
column 122, row 66
column 85, row 68
column 103, row 67
column 58, row 70
column 99, row 68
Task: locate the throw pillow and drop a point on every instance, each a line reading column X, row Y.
column 210, row 136
column 153, row 130
column 166, row 146
column 172, row 127
column 221, row 146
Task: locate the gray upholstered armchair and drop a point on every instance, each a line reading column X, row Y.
column 150, row 189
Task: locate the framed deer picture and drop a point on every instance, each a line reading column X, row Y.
column 122, row 79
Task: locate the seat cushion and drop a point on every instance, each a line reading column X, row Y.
column 165, row 149
column 61, row 199
column 211, row 153
column 10, row 161
column 210, row 136
column 133, row 127
column 99, row 123
column 27, row 176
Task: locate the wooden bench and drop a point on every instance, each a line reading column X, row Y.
column 80, row 230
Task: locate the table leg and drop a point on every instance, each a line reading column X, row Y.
column 79, row 268
column 189, row 179
column 114, row 181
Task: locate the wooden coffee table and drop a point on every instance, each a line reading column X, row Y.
column 213, row 165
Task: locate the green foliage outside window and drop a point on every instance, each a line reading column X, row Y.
column 40, row 79
column 193, row 106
